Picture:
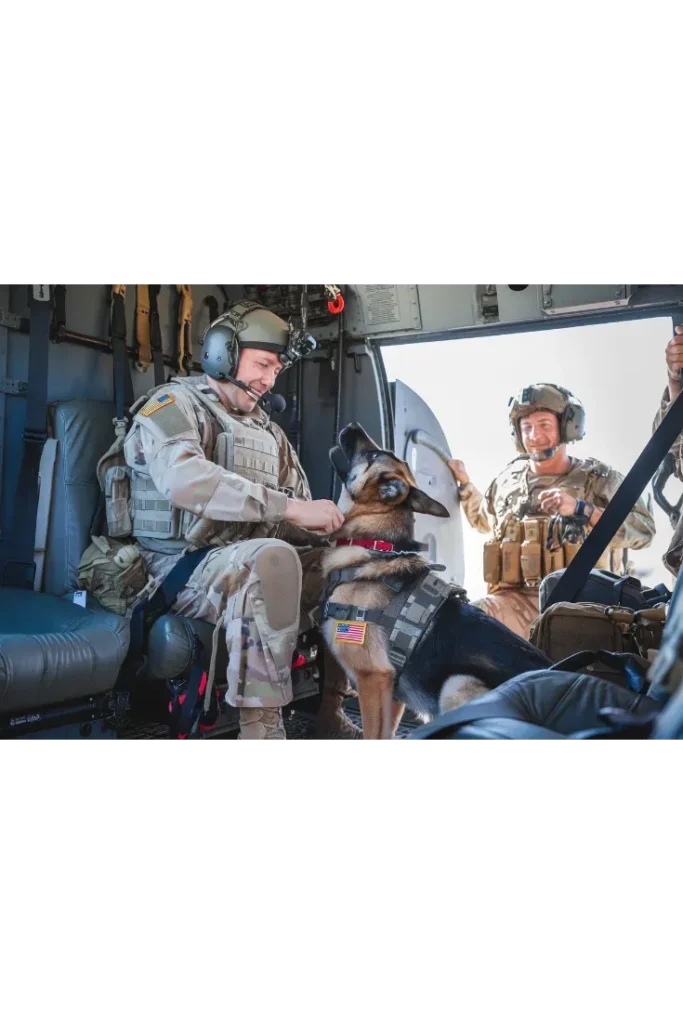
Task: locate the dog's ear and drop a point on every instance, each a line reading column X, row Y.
column 418, row 501
column 340, row 463
column 392, row 489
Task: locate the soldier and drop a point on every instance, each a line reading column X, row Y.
column 674, row 365
column 208, row 467
column 541, row 505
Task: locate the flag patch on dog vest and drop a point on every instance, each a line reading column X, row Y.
column 158, row 403
column 350, row 632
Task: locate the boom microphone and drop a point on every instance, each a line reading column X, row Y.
column 273, row 403
column 270, row 403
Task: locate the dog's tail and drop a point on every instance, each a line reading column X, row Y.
column 459, row 690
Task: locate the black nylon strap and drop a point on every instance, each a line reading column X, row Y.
column 123, row 386
column 59, row 313
column 20, row 543
column 632, row 486
column 469, row 713
column 149, row 609
column 155, row 335
column 624, row 662
column 352, row 612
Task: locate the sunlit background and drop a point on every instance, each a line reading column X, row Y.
column 617, row 370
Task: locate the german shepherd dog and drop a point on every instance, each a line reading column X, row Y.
column 463, row 652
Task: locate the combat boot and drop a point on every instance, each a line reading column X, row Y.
column 332, row 723
column 261, row 724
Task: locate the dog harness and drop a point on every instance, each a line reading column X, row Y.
column 407, row 615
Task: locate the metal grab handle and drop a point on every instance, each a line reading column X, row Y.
column 659, row 481
column 423, row 438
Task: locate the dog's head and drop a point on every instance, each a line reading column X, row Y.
column 375, row 479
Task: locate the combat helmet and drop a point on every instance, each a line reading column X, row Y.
column 551, row 398
column 249, row 325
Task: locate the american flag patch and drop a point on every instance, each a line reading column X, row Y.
column 158, row 403
column 350, row 632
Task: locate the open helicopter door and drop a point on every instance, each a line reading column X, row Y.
column 420, row 441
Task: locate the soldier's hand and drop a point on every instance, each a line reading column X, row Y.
column 674, row 362
column 557, row 502
column 317, row 516
column 458, row 470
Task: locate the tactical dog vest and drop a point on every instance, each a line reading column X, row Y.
column 407, row 615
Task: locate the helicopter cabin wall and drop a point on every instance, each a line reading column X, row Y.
column 77, row 371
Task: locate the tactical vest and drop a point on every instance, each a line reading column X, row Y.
column 518, row 556
column 246, row 447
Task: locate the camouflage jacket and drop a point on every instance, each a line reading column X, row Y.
column 515, row 492
column 182, row 467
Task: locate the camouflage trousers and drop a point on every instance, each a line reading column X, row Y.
column 260, row 594
column 516, row 609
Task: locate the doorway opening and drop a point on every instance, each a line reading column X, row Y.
column 617, row 370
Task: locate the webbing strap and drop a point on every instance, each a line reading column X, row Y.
column 123, row 386
column 162, row 600
column 624, row 662
column 155, row 335
column 20, row 570
column 143, row 338
column 184, row 328
column 352, row 612
column 59, row 312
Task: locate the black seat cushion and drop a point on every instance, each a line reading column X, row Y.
column 52, row 650
column 537, row 705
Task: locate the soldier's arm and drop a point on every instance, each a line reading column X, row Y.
column 638, row 529
column 473, row 504
column 171, row 446
column 471, row 500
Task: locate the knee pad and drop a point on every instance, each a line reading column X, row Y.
column 279, row 570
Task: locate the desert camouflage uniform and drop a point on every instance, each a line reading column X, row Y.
column 174, row 447
column 515, row 493
column 674, row 556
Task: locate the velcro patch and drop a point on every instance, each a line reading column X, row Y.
column 350, row 632
column 157, row 403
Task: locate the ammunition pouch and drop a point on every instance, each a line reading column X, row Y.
column 114, row 477
column 530, row 550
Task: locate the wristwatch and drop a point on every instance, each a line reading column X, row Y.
column 585, row 509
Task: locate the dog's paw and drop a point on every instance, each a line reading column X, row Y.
column 459, row 690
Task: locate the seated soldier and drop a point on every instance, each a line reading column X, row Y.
column 209, row 467
column 542, row 504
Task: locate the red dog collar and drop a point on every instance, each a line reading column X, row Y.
column 372, row 545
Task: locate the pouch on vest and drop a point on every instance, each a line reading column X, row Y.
column 492, row 562
column 117, row 501
column 510, row 551
column 530, row 555
column 114, row 479
column 113, row 572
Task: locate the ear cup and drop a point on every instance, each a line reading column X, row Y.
column 220, row 350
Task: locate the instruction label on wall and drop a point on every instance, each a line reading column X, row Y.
column 381, row 304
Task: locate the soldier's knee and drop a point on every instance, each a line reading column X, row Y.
column 279, row 570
